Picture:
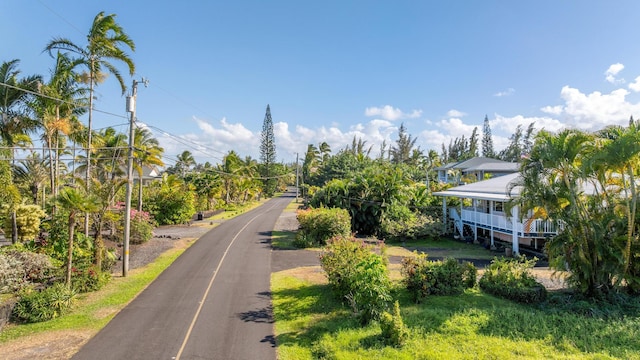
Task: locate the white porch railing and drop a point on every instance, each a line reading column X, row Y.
column 499, row 221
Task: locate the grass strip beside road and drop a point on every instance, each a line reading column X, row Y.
column 94, row 310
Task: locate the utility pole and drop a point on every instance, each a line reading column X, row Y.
column 297, row 178
column 131, row 108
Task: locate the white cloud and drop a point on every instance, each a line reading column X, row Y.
column 508, row 125
column 455, row 113
column 388, row 112
column 553, row 110
column 612, row 71
column 508, row 92
column 635, row 85
column 596, row 110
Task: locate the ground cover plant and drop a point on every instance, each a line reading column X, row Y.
column 311, row 324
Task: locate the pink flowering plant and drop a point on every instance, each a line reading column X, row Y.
column 141, row 227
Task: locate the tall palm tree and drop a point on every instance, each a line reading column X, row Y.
column 15, row 123
column 107, row 42
column 325, row 151
column 620, row 151
column 148, row 152
column 74, row 201
column 185, row 162
column 58, row 109
column 15, row 96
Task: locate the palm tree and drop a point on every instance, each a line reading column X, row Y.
column 148, row 152
column 58, row 109
column 185, row 162
column 74, row 201
column 620, row 151
column 15, row 94
column 554, row 176
column 32, row 173
column 106, row 42
column 325, row 151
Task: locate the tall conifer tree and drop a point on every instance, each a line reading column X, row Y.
column 487, row 140
column 268, row 153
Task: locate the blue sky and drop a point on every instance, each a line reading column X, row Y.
column 333, row 70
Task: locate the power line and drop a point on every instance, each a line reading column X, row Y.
column 79, row 105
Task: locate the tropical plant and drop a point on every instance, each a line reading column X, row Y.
column 148, row 152
column 106, row 42
column 73, row 201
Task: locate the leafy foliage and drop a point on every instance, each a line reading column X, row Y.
column 171, row 201
column 321, row 224
column 88, row 278
column 422, row 277
column 511, row 279
column 28, row 219
column 141, row 227
column 394, row 331
column 358, row 276
column 21, row 268
column 36, row 306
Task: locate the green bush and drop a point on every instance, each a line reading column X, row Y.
column 87, row 279
column 321, row 224
column 511, row 279
column 170, row 202
column 11, row 274
column 394, row 331
column 141, row 227
column 36, row 306
column 422, row 277
column 19, row 268
column 399, row 223
column 28, row 219
column 358, row 276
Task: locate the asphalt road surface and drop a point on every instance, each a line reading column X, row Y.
column 213, row 302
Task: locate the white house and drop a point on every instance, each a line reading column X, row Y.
column 478, row 167
column 484, row 214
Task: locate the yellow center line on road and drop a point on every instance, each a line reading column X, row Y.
column 213, row 277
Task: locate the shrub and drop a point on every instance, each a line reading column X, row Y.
column 511, row 279
column 399, row 223
column 36, row 306
column 321, row 224
column 11, row 274
column 141, row 227
column 87, row 279
column 358, row 276
column 28, row 219
column 170, row 203
column 422, row 277
column 394, row 331
column 18, row 268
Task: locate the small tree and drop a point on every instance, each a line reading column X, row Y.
column 74, row 201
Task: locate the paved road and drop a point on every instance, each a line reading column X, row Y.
column 213, row 302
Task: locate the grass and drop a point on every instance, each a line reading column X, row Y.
column 310, row 323
column 440, row 248
column 94, row 310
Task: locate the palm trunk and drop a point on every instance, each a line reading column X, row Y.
column 98, row 246
column 72, row 225
column 140, row 191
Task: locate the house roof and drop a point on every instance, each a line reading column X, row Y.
column 481, row 164
column 496, row 189
column 496, row 167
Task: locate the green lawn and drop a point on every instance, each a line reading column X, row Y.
column 310, row 324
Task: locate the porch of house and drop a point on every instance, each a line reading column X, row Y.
column 486, row 221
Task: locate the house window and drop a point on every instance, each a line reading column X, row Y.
column 498, row 206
